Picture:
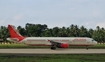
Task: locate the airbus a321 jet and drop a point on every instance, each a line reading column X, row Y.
column 53, row 42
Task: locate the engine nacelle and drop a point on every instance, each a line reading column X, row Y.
column 63, row 45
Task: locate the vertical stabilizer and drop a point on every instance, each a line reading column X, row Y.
column 14, row 33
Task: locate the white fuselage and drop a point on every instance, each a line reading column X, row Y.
column 80, row 41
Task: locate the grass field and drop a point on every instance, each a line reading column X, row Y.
column 20, row 46
column 54, row 58
column 98, row 46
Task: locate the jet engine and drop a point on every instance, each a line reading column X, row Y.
column 62, row 45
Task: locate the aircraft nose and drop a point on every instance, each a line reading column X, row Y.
column 95, row 42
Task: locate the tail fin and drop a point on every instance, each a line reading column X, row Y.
column 14, row 33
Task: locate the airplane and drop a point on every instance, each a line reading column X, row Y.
column 53, row 42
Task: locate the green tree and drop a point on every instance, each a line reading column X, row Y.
column 63, row 32
column 91, row 31
column 55, row 31
column 99, row 34
column 35, row 29
column 47, row 33
column 22, row 31
column 84, row 32
column 4, row 33
column 73, row 31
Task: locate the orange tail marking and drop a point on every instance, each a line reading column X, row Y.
column 14, row 33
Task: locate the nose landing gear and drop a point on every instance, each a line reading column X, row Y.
column 87, row 47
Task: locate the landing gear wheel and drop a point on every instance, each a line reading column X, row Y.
column 87, row 47
column 53, row 48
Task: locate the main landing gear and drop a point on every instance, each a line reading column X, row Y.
column 53, row 47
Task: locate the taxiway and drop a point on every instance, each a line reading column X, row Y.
column 49, row 51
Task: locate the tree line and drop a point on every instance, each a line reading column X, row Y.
column 39, row 30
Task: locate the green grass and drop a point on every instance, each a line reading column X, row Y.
column 20, row 46
column 98, row 46
column 54, row 58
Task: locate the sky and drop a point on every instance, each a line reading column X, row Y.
column 87, row 13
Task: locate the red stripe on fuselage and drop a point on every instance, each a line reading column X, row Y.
column 69, row 45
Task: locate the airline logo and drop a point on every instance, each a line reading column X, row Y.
column 14, row 33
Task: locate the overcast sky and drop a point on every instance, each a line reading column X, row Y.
column 89, row 13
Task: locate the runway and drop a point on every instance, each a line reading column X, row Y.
column 49, row 51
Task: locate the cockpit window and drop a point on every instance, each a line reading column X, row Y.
column 92, row 40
